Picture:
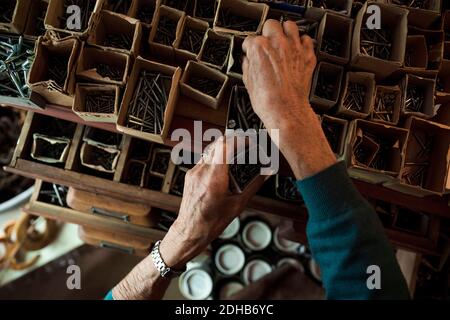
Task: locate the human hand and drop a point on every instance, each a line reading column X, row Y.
column 208, row 206
column 277, row 72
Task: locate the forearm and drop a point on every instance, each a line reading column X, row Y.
column 346, row 237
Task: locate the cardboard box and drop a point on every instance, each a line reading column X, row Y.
column 186, row 49
column 195, row 69
column 205, row 10
column 56, row 11
column 120, row 7
column 427, row 85
column 19, row 17
column 368, row 81
column 342, row 7
column 395, row 116
column 79, row 105
column 438, row 161
column 89, row 157
column 110, row 23
column 144, row 10
column 92, row 57
column 173, row 15
column 41, row 143
column 205, row 55
column 395, row 20
column 416, row 54
column 394, row 152
column 424, row 18
column 142, row 64
column 334, row 27
column 341, row 127
column 234, row 68
column 332, row 72
column 39, row 79
column 35, row 22
column 243, row 9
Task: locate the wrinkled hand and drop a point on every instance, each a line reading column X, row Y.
column 277, row 72
column 207, row 207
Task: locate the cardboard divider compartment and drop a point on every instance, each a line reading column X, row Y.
column 187, row 6
column 144, row 10
column 102, row 66
column 188, row 44
column 387, row 104
column 240, row 17
column 416, row 54
column 103, row 105
column 58, row 18
column 35, row 22
column 425, row 16
column 120, row 7
column 205, row 9
column 116, row 32
column 234, row 68
column 215, row 49
column 335, row 130
column 166, row 29
column 203, row 84
column 435, row 50
column 342, row 7
column 143, row 131
column 326, row 86
column 357, row 96
column 386, row 61
column 15, row 13
column 334, row 38
column 388, row 160
column 427, row 157
column 418, row 97
column 52, row 74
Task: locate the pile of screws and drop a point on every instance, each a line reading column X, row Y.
column 192, row 40
column 116, row 40
column 216, row 51
column 382, row 159
column 166, row 31
column 149, row 102
column 182, row 5
column 16, row 58
column 7, row 10
column 205, row 9
column 57, row 69
column 53, row 194
column 242, row 115
column 355, row 97
column 100, row 102
column 376, row 43
column 333, row 133
column 384, row 105
column 120, row 6
column 415, row 171
column 46, row 149
column 415, row 98
column 109, row 71
column 418, row 4
column 209, row 87
column 86, row 6
column 331, row 46
column 230, row 20
column 326, row 87
column 101, row 157
column 286, row 189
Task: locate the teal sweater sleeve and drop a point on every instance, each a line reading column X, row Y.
column 346, row 237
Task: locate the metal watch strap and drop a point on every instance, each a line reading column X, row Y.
column 161, row 266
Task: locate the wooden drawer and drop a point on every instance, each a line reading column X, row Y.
column 116, row 241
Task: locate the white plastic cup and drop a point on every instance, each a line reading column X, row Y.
column 254, row 270
column 284, row 245
column 229, row 259
column 230, row 288
column 256, row 235
column 291, row 261
column 232, row 230
column 196, row 284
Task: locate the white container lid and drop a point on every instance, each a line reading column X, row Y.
column 283, row 244
column 256, row 235
column 315, row 270
column 196, row 284
column 255, row 270
column 291, row 261
column 229, row 289
column 229, row 259
column 232, row 230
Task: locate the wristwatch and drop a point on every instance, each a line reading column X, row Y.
column 161, row 266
